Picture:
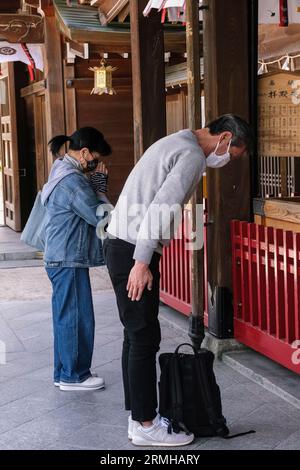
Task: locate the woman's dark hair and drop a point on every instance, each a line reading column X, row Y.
column 87, row 137
column 240, row 129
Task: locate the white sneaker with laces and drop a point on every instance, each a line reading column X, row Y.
column 160, row 435
column 56, row 384
column 92, row 383
column 131, row 427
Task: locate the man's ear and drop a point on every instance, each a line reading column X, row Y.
column 227, row 136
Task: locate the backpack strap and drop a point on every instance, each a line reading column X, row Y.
column 240, row 434
column 176, row 390
column 177, row 394
column 218, row 424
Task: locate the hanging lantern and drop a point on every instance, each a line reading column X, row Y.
column 103, row 79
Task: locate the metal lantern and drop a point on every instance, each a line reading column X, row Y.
column 103, row 79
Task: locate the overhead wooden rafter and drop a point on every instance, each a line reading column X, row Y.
column 79, row 23
column 21, row 27
column 110, row 9
column 18, row 25
column 76, row 49
column 43, row 4
column 9, row 6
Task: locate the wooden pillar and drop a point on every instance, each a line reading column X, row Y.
column 194, row 119
column 148, row 77
column 54, row 79
column 70, row 99
column 227, row 90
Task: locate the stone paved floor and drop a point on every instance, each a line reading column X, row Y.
column 36, row 415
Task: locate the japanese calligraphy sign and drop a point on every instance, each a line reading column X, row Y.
column 279, row 115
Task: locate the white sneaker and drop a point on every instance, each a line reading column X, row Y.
column 131, row 427
column 160, row 435
column 92, row 383
column 57, row 384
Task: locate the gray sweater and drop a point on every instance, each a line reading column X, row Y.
column 166, row 175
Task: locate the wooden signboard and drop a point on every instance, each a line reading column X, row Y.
column 279, row 115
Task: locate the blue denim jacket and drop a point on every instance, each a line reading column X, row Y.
column 70, row 227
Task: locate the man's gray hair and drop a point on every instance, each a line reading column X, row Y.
column 242, row 131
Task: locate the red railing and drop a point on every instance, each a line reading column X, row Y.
column 266, row 290
column 175, row 269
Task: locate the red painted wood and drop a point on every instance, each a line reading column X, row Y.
column 277, row 350
column 270, row 263
column 279, row 293
column 261, row 276
column 175, row 270
column 177, row 304
column 270, row 281
column 289, row 287
column 251, row 229
column 296, row 240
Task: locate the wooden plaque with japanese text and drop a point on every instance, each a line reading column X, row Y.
column 279, row 115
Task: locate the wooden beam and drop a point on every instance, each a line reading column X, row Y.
column 227, row 89
column 36, row 87
column 88, row 83
column 32, row 3
column 70, row 100
column 43, row 4
column 118, row 41
column 22, row 28
column 111, row 8
column 9, row 6
column 79, row 50
column 54, row 79
column 194, row 120
column 148, row 76
column 124, row 13
column 70, row 56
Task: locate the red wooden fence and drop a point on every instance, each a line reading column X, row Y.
column 175, row 269
column 266, row 285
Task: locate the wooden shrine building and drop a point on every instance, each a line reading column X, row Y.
column 246, row 280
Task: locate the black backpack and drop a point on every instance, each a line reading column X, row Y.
column 189, row 395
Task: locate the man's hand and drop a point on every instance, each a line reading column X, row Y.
column 140, row 276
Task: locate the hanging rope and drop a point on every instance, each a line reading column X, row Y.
column 284, row 13
column 31, row 66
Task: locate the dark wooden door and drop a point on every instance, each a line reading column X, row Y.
column 35, row 110
column 9, row 152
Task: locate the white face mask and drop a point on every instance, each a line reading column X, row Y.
column 217, row 161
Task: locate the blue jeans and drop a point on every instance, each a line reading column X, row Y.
column 73, row 323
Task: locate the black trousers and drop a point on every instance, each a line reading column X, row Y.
column 141, row 330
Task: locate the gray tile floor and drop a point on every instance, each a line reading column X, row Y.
column 11, row 247
column 36, row 415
